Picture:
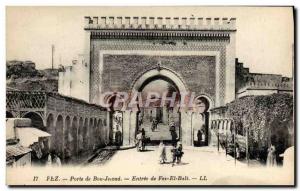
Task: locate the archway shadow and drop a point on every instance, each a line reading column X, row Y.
column 147, row 150
column 182, row 164
column 175, row 164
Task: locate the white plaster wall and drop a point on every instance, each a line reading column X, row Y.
column 257, row 92
column 74, row 81
column 61, row 81
column 67, row 81
column 80, row 79
column 230, row 69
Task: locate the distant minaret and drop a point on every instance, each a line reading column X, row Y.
column 52, row 56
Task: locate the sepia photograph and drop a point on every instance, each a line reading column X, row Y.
column 170, row 96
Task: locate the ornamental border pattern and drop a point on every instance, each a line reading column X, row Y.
column 162, row 35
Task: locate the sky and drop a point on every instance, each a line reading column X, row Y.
column 264, row 38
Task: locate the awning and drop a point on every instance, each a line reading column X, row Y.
column 16, row 150
column 30, row 135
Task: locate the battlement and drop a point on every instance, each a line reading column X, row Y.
column 283, row 86
column 159, row 23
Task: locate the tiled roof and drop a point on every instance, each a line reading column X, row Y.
column 16, row 150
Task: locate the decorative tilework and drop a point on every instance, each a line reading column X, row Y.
column 98, row 45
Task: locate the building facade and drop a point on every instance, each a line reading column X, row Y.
column 124, row 54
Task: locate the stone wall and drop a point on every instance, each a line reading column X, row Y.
column 87, row 129
column 74, row 124
column 197, row 71
column 197, row 64
column 248, row 83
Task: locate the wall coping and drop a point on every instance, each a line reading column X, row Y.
column 159, row 23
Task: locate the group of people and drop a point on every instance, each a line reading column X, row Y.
column 141, row 140
column 176, row 152
column 177, row 146
column 53, row 160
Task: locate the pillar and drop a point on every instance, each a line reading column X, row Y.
column 126, row 127
column 186, row 128
column 165, row 115
column 133, row 127
column 210, row 132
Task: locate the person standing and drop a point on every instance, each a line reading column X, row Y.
column 162, row 152
column 177, row 153
column 138, row 140
column 153, row 125
column 199, row 137
column 203, row 139
column 143, row 139
column 67, row 158
column 49, row 160
column 56, row 161
column 271, row 158
column 172, row 127
column 118, row 138
column 174, row 138
column 156, row 124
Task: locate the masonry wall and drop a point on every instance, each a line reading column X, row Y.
column 248, row 83
column 75, row 125
column 198, row 72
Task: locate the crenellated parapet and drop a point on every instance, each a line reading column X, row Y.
column 264, row 88
column 264, row 85
column 160, row 23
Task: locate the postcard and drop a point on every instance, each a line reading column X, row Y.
column 150, row 96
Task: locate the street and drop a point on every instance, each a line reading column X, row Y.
column 162, row 132
column 200, row 157
column 200, row 165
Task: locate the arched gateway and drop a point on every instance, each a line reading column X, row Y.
column 159, row 72
column 160, row 112
column 125, row 54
